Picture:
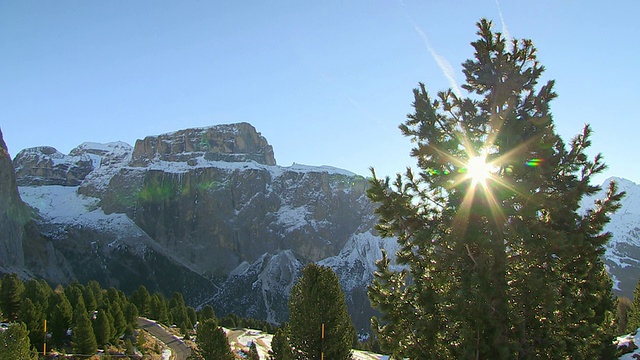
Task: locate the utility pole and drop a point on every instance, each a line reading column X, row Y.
column 322, row 351
column 44, row 344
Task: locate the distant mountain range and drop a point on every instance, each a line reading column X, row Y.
column 208, row 212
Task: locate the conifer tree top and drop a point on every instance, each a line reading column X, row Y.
column 498, row 261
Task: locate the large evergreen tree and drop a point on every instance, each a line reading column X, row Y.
column 498, row 262
column 102, row 328
column 159, row 308
column 206, row 313
column 142, row 300
column 319, row 322
column 84, row 339
column 10, row 295
column 633, row 315
column 119, row 320
column 60, row 316
column 38, row 291
column 212, row 341
column 14, row 343
column 280, row 348
column 33, row 316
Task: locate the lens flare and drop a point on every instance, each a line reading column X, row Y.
column 533, row 162
column 478, row 170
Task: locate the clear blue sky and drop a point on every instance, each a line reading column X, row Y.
column 326, row 82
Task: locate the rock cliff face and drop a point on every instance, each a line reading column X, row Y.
column 233, row 143
column 216, row 216
column 13, row 213
column 22, row 248
column 45, row 165
column 203, row 211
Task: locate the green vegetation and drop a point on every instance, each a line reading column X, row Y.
column 633, row 313
column 82, row 319
column 499, row 263
column 14, row 343
column 280, row 348
column 319, row 322
column 212, row 342
column 10, row 296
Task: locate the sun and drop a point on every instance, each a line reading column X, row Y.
column 478, row 170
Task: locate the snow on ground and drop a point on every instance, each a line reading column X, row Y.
column 166, row 354
column 241, row 339
column 61, row 204
column 64, row 205
column 323, row 168
column 627, row 341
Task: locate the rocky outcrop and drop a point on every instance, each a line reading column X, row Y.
column 216, row 217
column 13, row 213
column 260, row 290
column 208, row 204
column 45, row 165
column 231, row 143
column 22, row 247
column 622, row 252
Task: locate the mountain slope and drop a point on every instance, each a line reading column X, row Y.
column 208, row 212
column 13, row 213
column 622, row 255
column 209, row 203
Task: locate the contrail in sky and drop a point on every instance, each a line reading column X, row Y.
column 444, row 65
column 505, row 31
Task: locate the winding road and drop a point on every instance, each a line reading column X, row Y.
column 179, row 348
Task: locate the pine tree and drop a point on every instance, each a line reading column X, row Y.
column 131, row 314
column 84, row 340
column 60, row 316
column 10, row 295
column 206, row 313
column 159, row 308
column 33, row 316
column 212, row 341
column 178, row 311
column 38, row 291
column 280, row 348
column 14, row 343
column 319, row 322
column 73, row 292
column 119, row 320
column 498, row 263
column 102, row 328
column 89, row 299
column 633, row 317
column 128, row 347
column 142, row 300
column 192, row 315
column 253, row 352
column 140, row 340
column 96, row 291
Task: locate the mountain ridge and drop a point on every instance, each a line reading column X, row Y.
column 224, row 223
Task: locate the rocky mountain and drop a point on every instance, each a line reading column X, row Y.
column 13, row 213
column 622, row 254
column 22, row 248
column 208, row 212
column 207, row 206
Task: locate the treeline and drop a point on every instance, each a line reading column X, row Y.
column 81, row 319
